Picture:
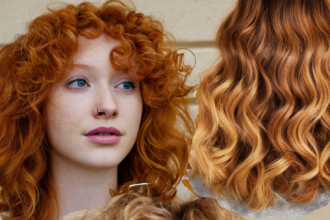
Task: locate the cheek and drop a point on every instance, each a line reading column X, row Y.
column 138, row 109
column 61, row 118
column 132, row 108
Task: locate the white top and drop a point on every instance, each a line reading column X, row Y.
column 281, row 209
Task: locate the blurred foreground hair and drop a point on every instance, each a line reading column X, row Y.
column 133, row 206
column 264, row 116
column 37, row 60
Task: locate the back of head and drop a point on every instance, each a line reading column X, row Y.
column 264, row 122
column 131, row 206
column 205, row 208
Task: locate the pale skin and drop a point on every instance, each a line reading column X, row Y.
column 92, row 95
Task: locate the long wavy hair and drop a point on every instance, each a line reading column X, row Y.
column 37, row 60
column 264, row 118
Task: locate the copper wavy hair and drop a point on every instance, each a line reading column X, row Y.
column 38, row 59
column 133, row 206
column 264, row 116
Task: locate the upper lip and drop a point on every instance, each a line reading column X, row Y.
column 113, row 130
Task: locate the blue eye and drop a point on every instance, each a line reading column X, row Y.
column 77, row 83
column 81, row 83
column 128, row 85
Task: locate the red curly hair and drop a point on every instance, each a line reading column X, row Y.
column 35, row 61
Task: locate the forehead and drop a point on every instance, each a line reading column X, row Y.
column 90, row 49
column 96, row 53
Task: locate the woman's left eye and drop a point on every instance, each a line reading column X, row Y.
column 77, row 82
column 127, row 85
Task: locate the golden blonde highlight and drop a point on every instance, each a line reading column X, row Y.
column 264, row 122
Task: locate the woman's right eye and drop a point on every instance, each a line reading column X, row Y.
column 77, row 82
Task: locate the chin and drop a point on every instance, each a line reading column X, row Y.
column 101, row 164
column 104, row 159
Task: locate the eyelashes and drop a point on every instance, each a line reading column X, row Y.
column 81, row 82
column 127, row 85
column 77, row 82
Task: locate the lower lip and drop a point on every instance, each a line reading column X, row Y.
column 106, row 139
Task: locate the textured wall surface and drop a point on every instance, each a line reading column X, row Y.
column 193, row 23
column 188, row 20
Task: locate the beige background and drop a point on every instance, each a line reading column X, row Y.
column 193, row 22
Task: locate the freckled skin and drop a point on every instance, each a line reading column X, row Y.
column 72, row 112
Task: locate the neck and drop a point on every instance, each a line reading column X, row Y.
column 80, row 188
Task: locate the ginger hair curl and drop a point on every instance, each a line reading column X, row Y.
column 264, row 118
column 133, row 206
column 35, row 61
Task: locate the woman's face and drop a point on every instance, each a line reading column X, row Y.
column 94, row 96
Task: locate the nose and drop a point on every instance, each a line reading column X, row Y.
column 106, row 106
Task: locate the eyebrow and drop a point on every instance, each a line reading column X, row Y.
column 84, row 66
